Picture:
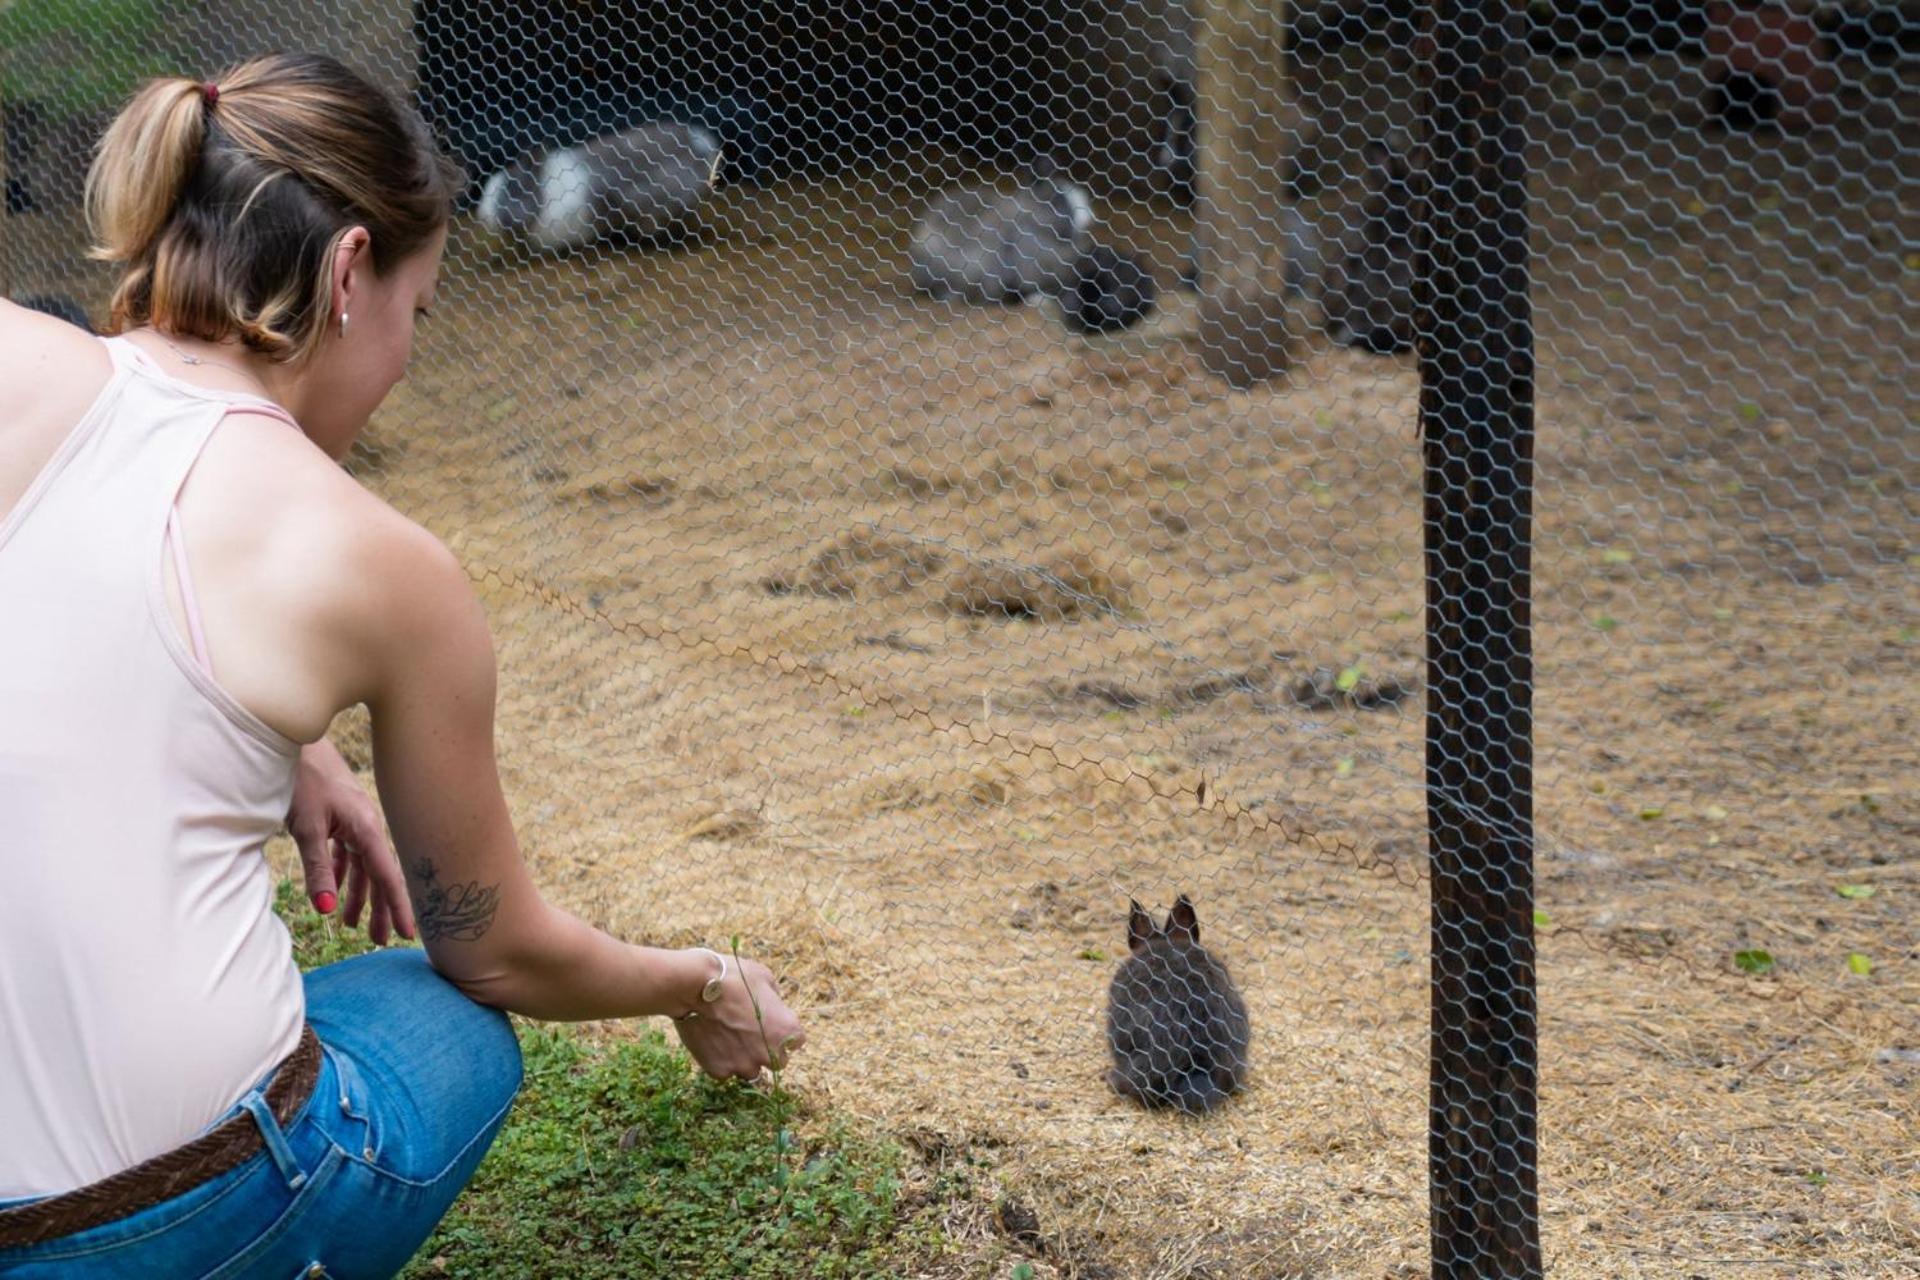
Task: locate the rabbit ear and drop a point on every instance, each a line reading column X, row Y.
column 1182, row 920
column 1140, row 928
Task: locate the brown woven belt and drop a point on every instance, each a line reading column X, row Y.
column 225, row 1146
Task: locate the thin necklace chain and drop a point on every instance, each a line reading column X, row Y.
column 193, row 359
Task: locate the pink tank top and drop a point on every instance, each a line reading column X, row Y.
column 145, row 983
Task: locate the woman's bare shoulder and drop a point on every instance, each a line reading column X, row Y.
column 338, row 583
column 49, row 373
column 47, row 362
column 355, row 543
column 399, row 596
column 30, row 323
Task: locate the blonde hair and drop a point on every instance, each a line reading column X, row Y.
column 224, row 204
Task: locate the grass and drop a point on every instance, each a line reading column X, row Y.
column 620, row 1160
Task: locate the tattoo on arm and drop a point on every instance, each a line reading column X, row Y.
column 461, row 912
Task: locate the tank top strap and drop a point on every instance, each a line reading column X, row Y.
column 165, row 425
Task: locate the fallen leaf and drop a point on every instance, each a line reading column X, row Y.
column 1859, row 963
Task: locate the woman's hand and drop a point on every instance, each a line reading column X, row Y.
column 727, row 1038
column 341, row 838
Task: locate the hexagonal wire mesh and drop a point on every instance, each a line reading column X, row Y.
column 978, row 483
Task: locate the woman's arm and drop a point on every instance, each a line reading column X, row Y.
column 484, row 924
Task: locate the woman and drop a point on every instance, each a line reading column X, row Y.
column 192, row 590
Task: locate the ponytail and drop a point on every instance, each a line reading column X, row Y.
column 142, row 166
column 224, row 202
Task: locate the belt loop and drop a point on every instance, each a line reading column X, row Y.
column 256, row 1105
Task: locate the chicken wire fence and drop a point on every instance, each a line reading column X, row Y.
column 973, row 499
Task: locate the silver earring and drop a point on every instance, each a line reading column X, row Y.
column 343, row 324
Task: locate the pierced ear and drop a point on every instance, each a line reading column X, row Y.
column 346, row 253
column 1182, row 919
column 1140, row 928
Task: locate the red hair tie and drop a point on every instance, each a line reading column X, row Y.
column 211, row 92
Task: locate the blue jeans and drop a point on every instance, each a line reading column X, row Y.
column 415, row 1081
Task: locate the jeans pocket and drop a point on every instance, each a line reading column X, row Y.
column 351, row 1123
column 261, row 1255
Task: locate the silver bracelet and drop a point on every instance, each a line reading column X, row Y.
column 711, row 992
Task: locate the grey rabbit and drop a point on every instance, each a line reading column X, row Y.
column 1175, row 1022
column 988, row 246
column 644, row 185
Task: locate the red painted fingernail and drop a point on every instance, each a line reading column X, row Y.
column 325, row 902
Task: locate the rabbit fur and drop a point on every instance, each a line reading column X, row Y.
column 643, row 185
column 990, row 246
column 1176, row 1024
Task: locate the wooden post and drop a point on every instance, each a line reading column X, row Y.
column 1248, row 325
column 1475, row 329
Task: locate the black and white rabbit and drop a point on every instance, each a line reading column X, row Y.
column 990, row 246
column 643, row 185
column 1176, row 1024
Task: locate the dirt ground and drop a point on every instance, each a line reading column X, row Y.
column 751, row 522
column 899, row 638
